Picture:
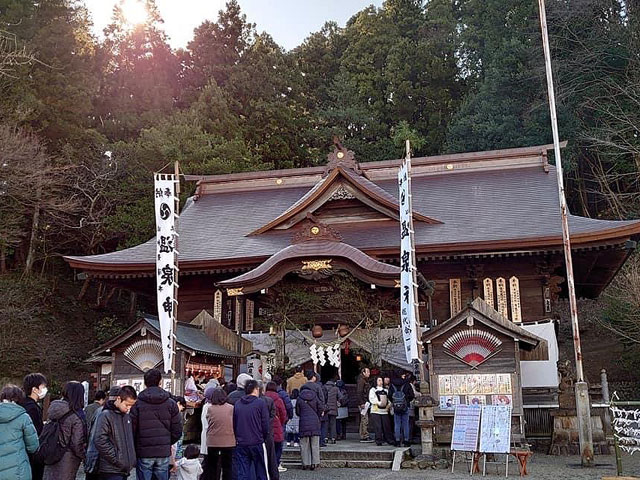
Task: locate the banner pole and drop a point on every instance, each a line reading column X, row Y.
column 414, row 277
column 174, row 387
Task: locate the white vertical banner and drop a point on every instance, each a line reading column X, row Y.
column 166, row 256
column 407, row 288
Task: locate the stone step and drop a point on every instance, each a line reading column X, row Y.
column 345, row 455
column 325, row 463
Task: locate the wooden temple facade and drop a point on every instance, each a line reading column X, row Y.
column 487, row 225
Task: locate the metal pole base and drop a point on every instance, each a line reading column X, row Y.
column 583, row 412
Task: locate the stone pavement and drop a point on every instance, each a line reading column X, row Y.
column 541, row 467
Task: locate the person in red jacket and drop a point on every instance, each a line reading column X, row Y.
column 279, row 420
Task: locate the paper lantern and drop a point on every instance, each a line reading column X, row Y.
column 316, row 331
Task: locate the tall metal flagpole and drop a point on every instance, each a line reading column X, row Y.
column 583, row 407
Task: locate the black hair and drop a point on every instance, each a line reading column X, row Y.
column 33, row 380
column 73, row 393
column 277, row 380
column 218, row 397
column 191, row 451
column 363, row 369
column 152, row 377
column 127, row 392
column 310, row 374
column 294, row 393
column 299, row 368
column 179, row 400
column 100, row 395
column 271, row 387
column 12, row 393
column 250, row 386
column 229, row 387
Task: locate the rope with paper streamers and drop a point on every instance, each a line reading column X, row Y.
column 321, row 352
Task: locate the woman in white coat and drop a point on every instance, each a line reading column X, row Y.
column 380, row 407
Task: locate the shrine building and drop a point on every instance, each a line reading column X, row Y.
column 487, row 225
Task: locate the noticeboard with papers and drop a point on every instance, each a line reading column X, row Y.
column 495, row 429
column 466, row 426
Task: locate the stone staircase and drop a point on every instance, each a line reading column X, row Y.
column 348, row 454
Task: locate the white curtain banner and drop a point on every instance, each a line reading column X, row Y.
column 407, row 300
column 166, row 253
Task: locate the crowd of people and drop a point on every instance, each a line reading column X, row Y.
column 245, row 427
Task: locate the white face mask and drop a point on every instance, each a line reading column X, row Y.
column 42, row 393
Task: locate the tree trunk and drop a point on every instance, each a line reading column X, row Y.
column 35, row 224
column 85, row 287
column 3, row 258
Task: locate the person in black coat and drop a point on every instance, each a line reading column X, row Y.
column 157, row 424
column 35, row 389
column 309, row 410
column 113, row 437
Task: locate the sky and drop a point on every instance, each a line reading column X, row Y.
column 288, row 21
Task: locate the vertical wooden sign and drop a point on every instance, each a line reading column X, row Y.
column 249, row 315
column 455, row 296
column 501, row 287
column 217, row 306
column 514, row 293
column 238, row 324
column 487, row 283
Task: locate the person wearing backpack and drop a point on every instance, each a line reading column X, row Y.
column 380, row 406
column 333, row 393
column 68, row 429
column 18, row 436
column 343, row 411
column 401, row 394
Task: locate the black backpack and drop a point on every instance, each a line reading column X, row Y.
column 51, row 448
column 399, row 400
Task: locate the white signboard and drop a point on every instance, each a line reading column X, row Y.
column 407, row 300
column 495, row 429
column 466, row 426
column 166, row 285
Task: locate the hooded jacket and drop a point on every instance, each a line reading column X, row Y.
column 281, row 417
column 286, row 399
column 316, row 388
column 113, row 439
column 189, row 469
column 251, row 421
column 333, row 396
column 157, row 423
column 18, row 438
column 309, row 410
column 296, row 382
column 74, row 436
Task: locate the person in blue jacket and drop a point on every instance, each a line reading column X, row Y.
column 18, row 436
column 251, row 427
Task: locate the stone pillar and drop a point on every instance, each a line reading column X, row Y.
column 604, row 384
column 583, row 412
column 425, row 420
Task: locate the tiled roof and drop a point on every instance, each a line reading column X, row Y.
column 476, row 207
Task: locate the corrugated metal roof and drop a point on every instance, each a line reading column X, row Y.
column 192, row 337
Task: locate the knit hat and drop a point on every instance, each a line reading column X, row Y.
column 242, row 379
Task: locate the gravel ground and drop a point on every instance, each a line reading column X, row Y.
column 540, row 467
